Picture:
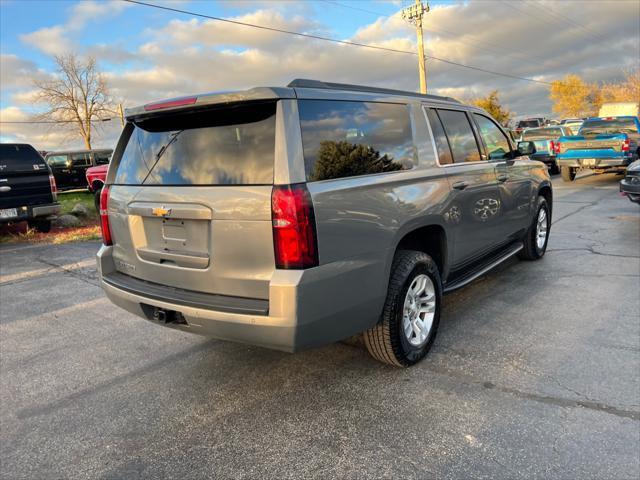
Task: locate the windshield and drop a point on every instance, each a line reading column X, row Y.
column 226, row 146
column 615, row 125
column 542, row 133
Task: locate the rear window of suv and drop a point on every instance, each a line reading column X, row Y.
column 346, row 139
column 234, row 145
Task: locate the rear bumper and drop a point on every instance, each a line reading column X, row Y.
column 305, row 308
column 595, row 162
column 28, row 212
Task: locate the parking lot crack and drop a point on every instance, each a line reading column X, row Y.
column 584, row 402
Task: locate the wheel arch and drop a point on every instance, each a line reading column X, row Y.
column 96, row 184
column 430, row 238
column 546, row 191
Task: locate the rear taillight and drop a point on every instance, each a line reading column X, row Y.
column 104, row 216
column 626, row 145
column 54, row 187
column 555, row 147
column 294, row 227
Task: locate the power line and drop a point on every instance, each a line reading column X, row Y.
column 456, row 35
column 334, row 40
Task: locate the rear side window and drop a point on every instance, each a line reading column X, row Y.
column 223, row 146
column 444, row 152
column 460, row 135
column 101, row 158
column 347, row 139
column 81, row 159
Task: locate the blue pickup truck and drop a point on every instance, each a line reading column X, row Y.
column 603, row 144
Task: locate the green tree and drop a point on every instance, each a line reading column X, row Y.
column 491, row 104
column 345, row 159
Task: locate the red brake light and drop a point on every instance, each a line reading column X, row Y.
column 171, row 103
column 294, row 227
column 104, row 216
column 555, row 147
column 626, row 145
column 54, row 187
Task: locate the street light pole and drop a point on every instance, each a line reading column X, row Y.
column 414, row 15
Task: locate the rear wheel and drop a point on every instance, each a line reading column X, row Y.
column 568, row 174
column 535, row 242
column 411, row 312
column 553, row 169
column 42, row 226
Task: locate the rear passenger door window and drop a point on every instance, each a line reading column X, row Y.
column 496, row 142
column 439, row 137
column 348, row 139
column 462, row 141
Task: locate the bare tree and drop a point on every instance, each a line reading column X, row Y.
column 77, row 95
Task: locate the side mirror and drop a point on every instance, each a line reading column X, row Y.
column 526, row 148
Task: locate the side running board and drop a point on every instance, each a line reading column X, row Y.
column 471, row 276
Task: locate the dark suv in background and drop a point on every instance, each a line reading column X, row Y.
column 27, row 188
column 69, row 167
column 293, row 217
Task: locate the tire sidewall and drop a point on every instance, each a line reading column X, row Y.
column 411, row 354
column 542, row 204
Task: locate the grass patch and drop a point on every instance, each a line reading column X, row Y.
column 68, row 200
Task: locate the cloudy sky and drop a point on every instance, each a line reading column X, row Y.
column 149, row 54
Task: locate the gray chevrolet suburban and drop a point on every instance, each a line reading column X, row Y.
column 293, row 217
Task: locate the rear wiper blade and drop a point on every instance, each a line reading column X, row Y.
column 174, row 137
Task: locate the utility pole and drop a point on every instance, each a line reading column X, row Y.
column 121, row 113
column 414, row 15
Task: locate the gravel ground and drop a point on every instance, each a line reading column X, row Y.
column 535, row 374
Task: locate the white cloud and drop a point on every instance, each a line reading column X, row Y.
column 192, row 56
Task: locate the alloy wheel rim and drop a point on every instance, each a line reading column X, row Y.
column 419, row 310
column 541, row 229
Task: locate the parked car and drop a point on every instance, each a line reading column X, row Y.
column 604, row 145
column 70, row 167
column 95, row 179
column 535, row 122
column 546, row 142
column 630, row 185
column 27, row 188
column 293, row 217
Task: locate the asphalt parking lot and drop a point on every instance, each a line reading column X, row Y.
column 535, row 374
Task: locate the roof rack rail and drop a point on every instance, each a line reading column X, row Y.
column 306, row 83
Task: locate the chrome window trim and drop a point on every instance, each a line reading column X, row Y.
column 433, row 141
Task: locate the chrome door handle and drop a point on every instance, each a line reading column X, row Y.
column 503, row 178
column 460, row 185
column 5, row 189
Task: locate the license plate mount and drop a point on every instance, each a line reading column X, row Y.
column 589, row 162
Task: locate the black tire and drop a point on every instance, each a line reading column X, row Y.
column 553, row 169
column 568, row 174
column 387, row 341
column 531, row 251
column 42, row 226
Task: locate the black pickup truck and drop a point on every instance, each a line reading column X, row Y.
column 27, row 187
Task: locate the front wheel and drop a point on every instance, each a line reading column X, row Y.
column 537, row 237
column 411, row 313
column 568, row 174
